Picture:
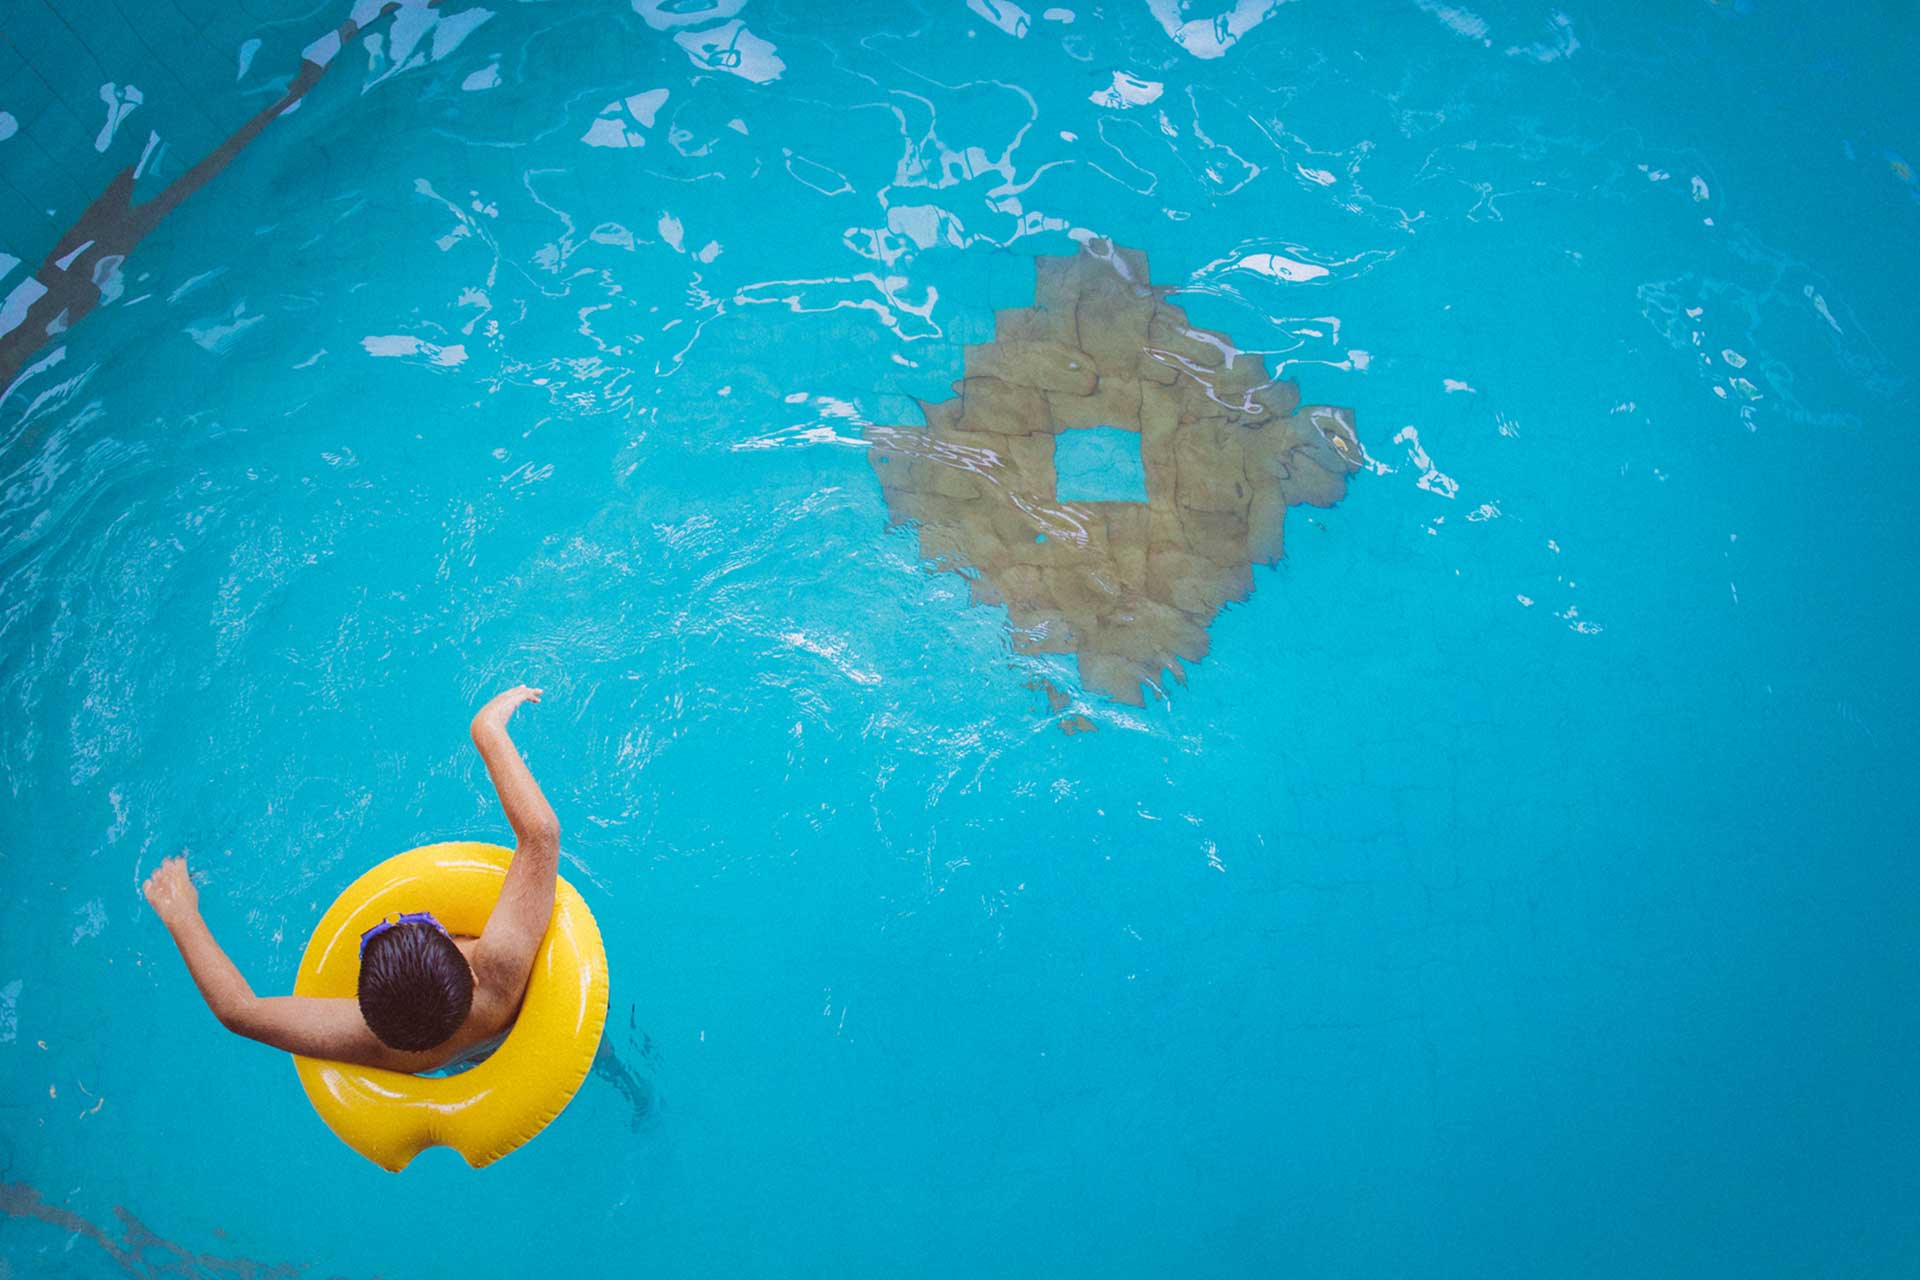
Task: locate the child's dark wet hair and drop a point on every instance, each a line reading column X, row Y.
column 415, row 987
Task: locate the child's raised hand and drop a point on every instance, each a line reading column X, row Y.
column 170, row 890
column 501, row 707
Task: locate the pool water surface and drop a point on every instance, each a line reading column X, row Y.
column 1510, row 875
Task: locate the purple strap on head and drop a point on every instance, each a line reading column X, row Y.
column 405, row 917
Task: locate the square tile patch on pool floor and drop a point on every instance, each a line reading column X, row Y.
column 1033, row 478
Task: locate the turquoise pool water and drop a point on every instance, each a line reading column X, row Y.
column 1522, row 885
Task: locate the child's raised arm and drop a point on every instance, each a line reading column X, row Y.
column 527, row 809
column 519, row 921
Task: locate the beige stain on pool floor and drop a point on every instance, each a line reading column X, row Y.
column 1128, row 588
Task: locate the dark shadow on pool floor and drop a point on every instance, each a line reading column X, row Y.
column 85, row 263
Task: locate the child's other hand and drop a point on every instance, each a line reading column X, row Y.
column 501, row 708
column 170, row 891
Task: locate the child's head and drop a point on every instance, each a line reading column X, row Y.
column 415, row 986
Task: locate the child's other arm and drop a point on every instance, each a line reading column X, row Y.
column 171, row 893
column 316, row 1028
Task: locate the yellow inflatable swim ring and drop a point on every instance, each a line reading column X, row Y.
column 390, row 1117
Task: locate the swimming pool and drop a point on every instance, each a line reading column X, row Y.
column 1521, row 883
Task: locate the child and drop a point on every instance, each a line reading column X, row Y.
column 427, row 998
